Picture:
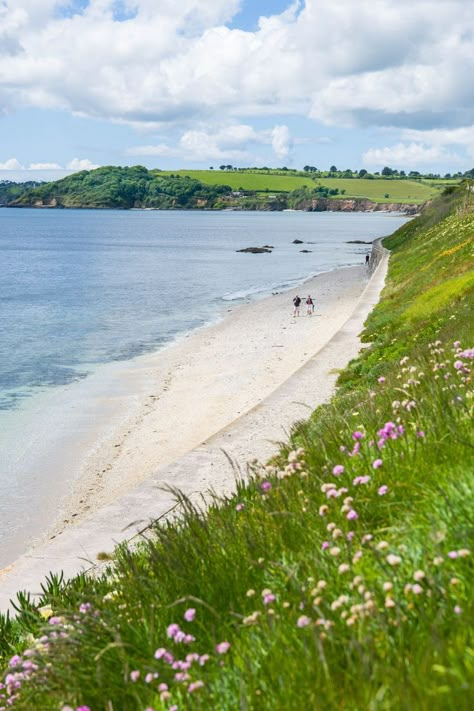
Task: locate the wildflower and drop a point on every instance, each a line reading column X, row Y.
column 250, row 593
column 303, row 621
column 356, row 557
column 324, row 545
column 382, row 545
column 350, row 536
column 418, row 575
column 134, row 675
column 190, row 614
column 389, row 602
column 337, row 533
column 265, row 486
column 377, row 463
column 46, row 611
column 149, row 678
column 343, row 568
column 223, row 647
column 464, row 552
column 335, row 551
column 438, row 560
column 352, row 515
column 203, row 659
column 458, row 364
column 393, row 559
column 160, row 653
column 267, row 599
column 338, row 470
column 420, row 434
column 83, row 708
column 417, row 589
column 361, row 480
column 381, row 379
column 251, row 619
column 195, row 685
column 172, row 630
column 357, row 435
column 367, row 538
column 458, row 610
column 382, row 490
column 162, row 687
column 323, row 510
column 321, row 584
column 453, row 555
column 240, row 507
column 85, row 607
column 387, row 586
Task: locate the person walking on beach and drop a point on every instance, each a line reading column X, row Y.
column 367, row 260
column 296, row 304
column 309, row 306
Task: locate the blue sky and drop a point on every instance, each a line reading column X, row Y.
column 85, row 83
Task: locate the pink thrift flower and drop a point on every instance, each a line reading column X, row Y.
column 352, row 515
column 195, row 685
column 458, row 364
column 149, row 678
column 85, row 607
column 383, row 490
column 381, row 379
column 325, row 545
column 377, row 463
column 223, row 647
column 203, row 659
column 456, row 344
column 172, row 630
column 350, row 536
column 83, row 708
column 135, row 675
column 188, row 639
column 162, row 687
column 357, row 435
column 420, row 434
column 240, row 507
column 265, row 486
column 160, row 653
column 457, row 609
column 190, row 614
column 453, row 554
column 269, row 598
column 303, row 621
column 338, row 469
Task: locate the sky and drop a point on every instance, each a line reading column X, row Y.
column 198, row 83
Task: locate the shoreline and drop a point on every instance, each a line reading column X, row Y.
column 207, row 467
column 135, row 425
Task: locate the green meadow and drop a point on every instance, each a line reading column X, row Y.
column 404, row 191
column 340, row 574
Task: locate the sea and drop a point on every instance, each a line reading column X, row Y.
column 85, row 292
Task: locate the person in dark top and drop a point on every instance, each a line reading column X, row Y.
column 309, row 306
column 367, row 260
column 296, row 304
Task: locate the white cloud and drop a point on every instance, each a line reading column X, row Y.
column 11, row 164
column 396, row 63
column 403, row 155
column 44, row 166
column 236, row 142
column 77, row 164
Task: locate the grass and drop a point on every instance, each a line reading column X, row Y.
column 404, row 191
column 338, row 577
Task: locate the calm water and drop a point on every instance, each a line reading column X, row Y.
column 84, row 288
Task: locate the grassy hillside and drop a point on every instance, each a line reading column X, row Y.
column 339, row 577
column 405, row 191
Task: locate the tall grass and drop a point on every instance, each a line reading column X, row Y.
column 338, row 577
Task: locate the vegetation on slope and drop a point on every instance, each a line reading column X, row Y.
column 115, row 187
column 338, row 577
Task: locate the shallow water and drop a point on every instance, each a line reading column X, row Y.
column 83, row 291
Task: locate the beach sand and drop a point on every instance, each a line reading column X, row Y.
column 226, row 392
column 208, row 379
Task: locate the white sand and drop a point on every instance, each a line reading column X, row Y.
column 205, row 381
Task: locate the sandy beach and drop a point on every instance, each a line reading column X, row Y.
column 205, row 381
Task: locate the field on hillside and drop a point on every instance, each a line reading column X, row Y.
column 406, row 191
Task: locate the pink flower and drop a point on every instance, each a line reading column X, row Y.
column 265, row 486
column 383, row 490
column 162, row 687
column 420, row 434
column 457, row 610
column 135, row 675
column 195, row 685
column 190, row 614
column 357, row 435
column 325, row 545
column 453, row 554
column 240, row 507
column 352, row 515
column 269, row 598
column 350, row 536
column 223, row 647
column 172, row 630
column 55, row 620
column 85, row 607
column 377, row 463
column 149, row 678
column 160, row 653
column 381, row 379
column 456, row 344
column 83, row 708
column 303, row 621
column 458, row 364
column 338, row 469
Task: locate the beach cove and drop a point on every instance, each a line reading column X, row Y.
column 250, row 378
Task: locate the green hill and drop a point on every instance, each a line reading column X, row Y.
column 377, row 189
column 115, row 187
column 339, row 577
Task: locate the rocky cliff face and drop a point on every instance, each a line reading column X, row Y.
column 356, row 205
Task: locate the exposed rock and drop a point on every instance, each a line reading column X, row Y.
column 255, row 250
column 307, row 251
column 297, row 241
column 357, row 241
column 268, row 246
